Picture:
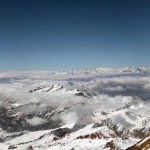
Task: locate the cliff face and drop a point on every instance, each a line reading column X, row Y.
column 143, row 144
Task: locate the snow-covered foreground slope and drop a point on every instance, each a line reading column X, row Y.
column 95, row 109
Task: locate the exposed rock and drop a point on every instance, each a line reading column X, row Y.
column 1, row 140
column 30, row 148
column 97, row 135
column 61, row 132
column 143, row 144
column 55, row 139
column 12, row 147
column 111, row 146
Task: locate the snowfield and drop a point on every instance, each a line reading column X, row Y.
column 90, row 109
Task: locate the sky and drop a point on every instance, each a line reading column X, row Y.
column 72, row 34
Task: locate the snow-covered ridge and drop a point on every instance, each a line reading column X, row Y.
column 38, row 74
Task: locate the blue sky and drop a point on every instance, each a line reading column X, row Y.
column 71, row 34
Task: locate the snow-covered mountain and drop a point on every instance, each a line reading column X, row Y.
column 100, row 108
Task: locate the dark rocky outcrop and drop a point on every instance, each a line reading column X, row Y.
column 14, row 121
column 12, row 147
column 111, row 145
